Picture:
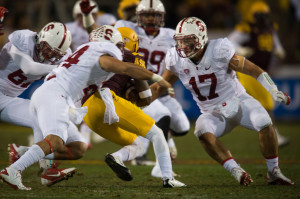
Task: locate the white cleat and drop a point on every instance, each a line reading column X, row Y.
column 157, row 173
column 172, row 183
column 13, row 178
column 54, row 175
column 277, row 178
column 241, row 176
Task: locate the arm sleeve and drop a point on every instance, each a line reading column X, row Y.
column 27, row 65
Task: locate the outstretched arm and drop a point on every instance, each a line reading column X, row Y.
column 243, row 65
column 114, row 65
column 27, row 65
column 87, row 18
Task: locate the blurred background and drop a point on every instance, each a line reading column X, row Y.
column 221, row 16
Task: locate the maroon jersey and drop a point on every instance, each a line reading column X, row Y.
column 262, row 42
column 118, row 83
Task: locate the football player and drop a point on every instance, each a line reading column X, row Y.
column 117, row 84
column 257, row 39
column 27, row 57
column 127, row 9
column 208, row 70
column 155, row 41
column 79, row 34
column 91, row 64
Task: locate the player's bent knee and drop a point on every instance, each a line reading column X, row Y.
column 261, row 122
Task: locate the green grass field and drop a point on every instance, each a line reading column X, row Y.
column 205, row 178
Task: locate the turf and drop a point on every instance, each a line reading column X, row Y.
column 205, row 178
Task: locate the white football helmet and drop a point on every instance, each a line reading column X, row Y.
column 190, row 36
column 147, row 7
column 107, row 33
column 52, row 42
column 77, row 9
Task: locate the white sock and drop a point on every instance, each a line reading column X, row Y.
column 23, row 149
column 130, row 152
column 272, row 163
column 161, row 150
column 171, row 142
column 123, row 154
column 33, row 155
column 229, row 164
column 146, row 143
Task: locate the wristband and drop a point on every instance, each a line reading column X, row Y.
column 156, row 78
column 265, row 80
column 146, row 93
column 87, row 20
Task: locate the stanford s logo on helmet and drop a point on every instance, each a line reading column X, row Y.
column 107, row 33
column 52, row 42
column 190, row 36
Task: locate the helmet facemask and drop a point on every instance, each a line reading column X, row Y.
column 46, row 53
column 121, row 46
column 151, row 21
column 187, row 46
column 262, row 20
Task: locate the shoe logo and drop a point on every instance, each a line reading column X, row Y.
column 207, row 68
column 54, row 175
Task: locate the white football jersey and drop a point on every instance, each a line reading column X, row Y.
column 106, row 19
column 82, row 68
column 211, row 82
column 79, row 35
column 13, row 81
column 153, row 49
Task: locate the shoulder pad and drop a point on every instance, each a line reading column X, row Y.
column 223, row 50
column 21, row 38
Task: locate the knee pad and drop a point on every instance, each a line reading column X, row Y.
column 262, row 121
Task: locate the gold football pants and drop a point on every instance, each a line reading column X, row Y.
column 132, row 120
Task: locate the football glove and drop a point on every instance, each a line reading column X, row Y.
column 85, row 6
column 279, row 96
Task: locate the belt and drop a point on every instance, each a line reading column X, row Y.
column 51, row 77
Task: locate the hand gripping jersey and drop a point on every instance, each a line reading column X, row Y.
column 154, row 49
column 13, row 81
column 211, row 82
column 82, row 69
